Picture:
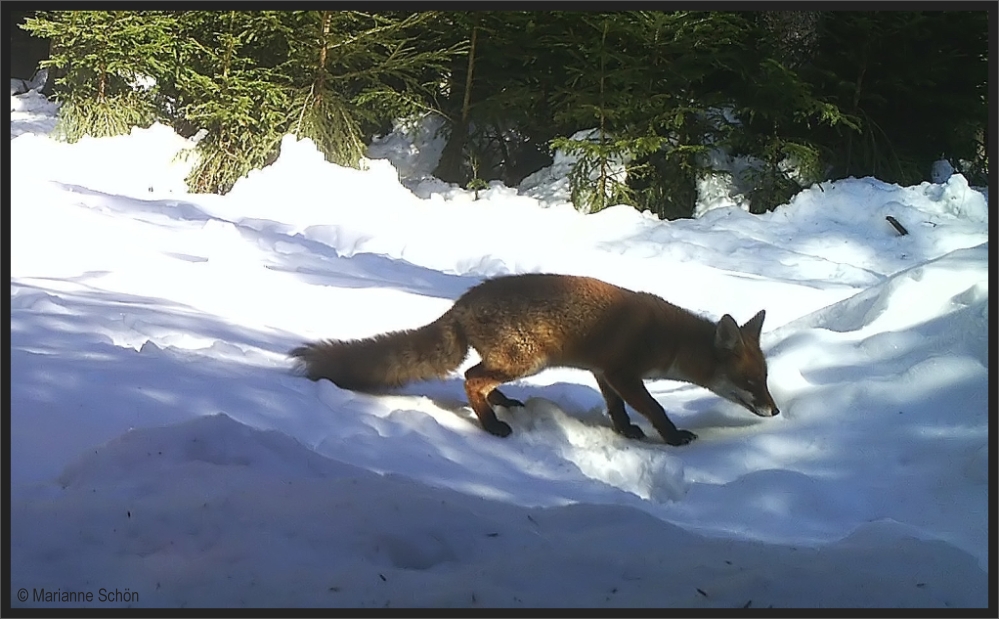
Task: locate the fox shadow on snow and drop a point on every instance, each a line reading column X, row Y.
column 583, row 403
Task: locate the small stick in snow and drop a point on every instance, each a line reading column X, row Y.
column 894, row 222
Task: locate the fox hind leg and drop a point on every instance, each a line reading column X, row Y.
column 480, row 386
column 496, row 398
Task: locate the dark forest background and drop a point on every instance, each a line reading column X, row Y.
column 807, row 96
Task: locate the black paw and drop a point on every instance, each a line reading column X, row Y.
column 498, row 428
column 630, row 431
column 680, row 437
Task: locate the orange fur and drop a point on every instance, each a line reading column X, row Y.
column 522, row 324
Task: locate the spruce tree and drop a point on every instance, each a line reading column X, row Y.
column 599, row 95
column 104, row 58
column 647, row 82
column 455, row 164
column 690, row 60
column 917, row 82
column 782, row 112
column 495, row 98
column 349, row 71
column 226, row 84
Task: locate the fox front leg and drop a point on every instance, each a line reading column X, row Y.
column 633, row 391
column 615, row 408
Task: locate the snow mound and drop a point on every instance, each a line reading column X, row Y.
column 147, row 163
column 208, row 441
column 31, row 113
column 414, row 146
column 211, row 513
column 911, row 297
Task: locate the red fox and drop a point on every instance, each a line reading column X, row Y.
column 522, row 324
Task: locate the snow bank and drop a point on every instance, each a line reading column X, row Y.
column 160, row 443
column 211, row 513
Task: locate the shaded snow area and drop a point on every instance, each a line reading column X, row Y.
column 30, row 112
column 163, row 453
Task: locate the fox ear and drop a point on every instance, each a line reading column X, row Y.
column 753, row 327
column 728, row 338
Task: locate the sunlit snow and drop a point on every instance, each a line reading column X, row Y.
column 159, row 441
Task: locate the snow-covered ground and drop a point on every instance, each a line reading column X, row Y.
column 164, row 455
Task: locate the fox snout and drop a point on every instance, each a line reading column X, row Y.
column 767, row 408
column 761, row 404
column 767, row 411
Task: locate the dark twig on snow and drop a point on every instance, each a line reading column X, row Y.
column 894, row 222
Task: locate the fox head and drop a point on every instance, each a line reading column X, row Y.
column 741, row 370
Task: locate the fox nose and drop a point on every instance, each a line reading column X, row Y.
column 765, row 410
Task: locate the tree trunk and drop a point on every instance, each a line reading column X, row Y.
column 450, row 169
column 323, row 42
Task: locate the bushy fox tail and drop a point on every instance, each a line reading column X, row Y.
column 387, row 360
